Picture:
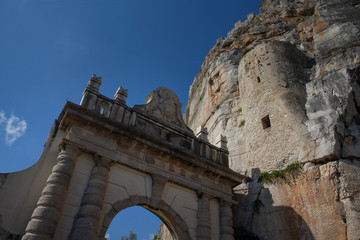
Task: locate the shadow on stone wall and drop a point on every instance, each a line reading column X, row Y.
column 4, row 234
column 256, row 217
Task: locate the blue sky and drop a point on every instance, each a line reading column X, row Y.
column 50, row 48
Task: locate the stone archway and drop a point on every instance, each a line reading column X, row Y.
column 176, row 225
column 112, row 157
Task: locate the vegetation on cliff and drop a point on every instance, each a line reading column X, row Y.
column 270, row 177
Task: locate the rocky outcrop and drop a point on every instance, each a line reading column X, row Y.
column 284, row 86
column 164, row 233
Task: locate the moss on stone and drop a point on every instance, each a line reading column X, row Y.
column 242, row 123
column 270, row 177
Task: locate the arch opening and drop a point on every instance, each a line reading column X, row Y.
column 137, row 220
column 173, row 222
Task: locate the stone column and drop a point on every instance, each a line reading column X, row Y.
column 226, row 221
column 86, row 224
column 47, row 212
column 203, row 231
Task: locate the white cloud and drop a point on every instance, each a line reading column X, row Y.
column 2, row 117
column 14, row 128
column 107, row 236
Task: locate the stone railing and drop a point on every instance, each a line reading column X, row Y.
column 175, row 132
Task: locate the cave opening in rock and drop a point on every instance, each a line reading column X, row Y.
column 266, row 122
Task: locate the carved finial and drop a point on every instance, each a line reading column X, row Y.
column 121, row 95
column 221, row 141
column 91, row 91
column 202, row 133
column 94, row 77
column 94, row 83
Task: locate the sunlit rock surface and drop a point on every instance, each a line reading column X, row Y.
column 283, row 86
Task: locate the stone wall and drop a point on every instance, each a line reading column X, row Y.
column 283, row 86
column 21, row 190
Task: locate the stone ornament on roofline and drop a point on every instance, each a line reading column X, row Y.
column 165, row 105
column 94, row 83
column 121, row 95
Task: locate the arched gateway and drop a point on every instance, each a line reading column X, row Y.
column 112, row 157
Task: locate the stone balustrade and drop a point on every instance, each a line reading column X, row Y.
column 117, row 110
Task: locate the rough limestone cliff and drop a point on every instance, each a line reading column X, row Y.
column 283, row 87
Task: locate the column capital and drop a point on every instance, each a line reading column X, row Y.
column 201, row 194
column 159, row 178
column 69, row 148
column 227, row 202
column 101, row 161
